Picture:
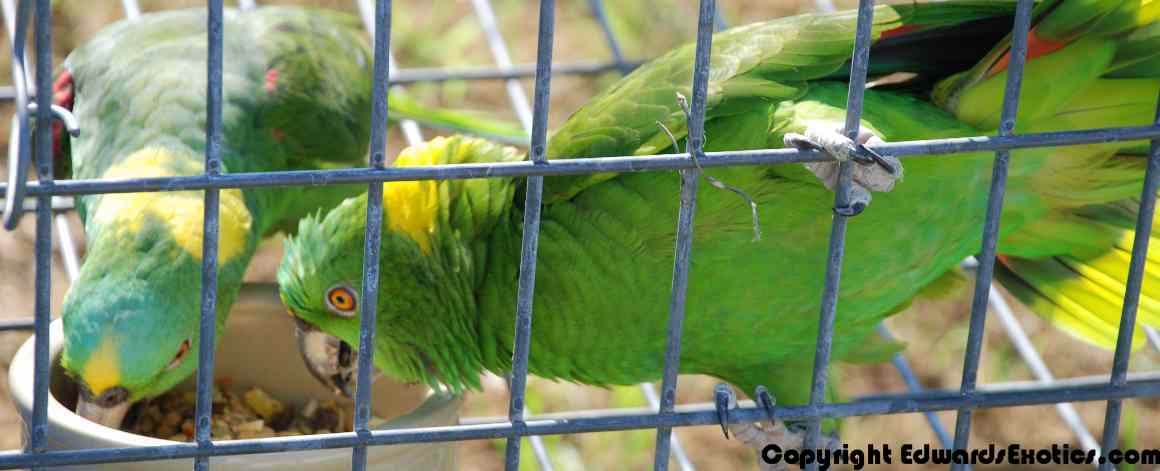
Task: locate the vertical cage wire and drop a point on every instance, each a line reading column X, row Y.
column 986, row 258
column 678, row 450
column 371, row 238
column 860, row 63
column 601, row 17
column 689, row 184
column 1038, row 368
column 531, row 234
column 131, row 8
column 1153, row 337
column 1117, row 388
column 690, row 178
column 16, row 25
column 1122, row 356
column 22, row 87
column 209, row 248
column 1034, row 361
column 519, row 102
column 38, row 440
column 411, row 132
column 596, row 7
column 68, row 246
column 899, row 362
column 21, row 75
column 499, row 52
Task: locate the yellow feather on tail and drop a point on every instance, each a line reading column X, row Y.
column 1083, row 294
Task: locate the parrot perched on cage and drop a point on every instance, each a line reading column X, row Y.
column 296, row 95
column 449, row 262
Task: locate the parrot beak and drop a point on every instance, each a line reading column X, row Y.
column 331, row 360
column 108, row 409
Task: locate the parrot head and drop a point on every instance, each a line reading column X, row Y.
column 129, row 333
column 320, row 282
column 131, row 318
column 425, row 304
column 424, row 333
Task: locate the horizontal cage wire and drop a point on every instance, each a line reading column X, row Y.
column 46, row 197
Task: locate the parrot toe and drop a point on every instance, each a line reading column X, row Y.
column 875, row 172
column 761, row 436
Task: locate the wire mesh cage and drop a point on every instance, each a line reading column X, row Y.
column 47, row 198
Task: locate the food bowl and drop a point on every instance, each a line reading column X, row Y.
column 258, row 348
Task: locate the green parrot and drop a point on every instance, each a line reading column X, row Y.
column 296, row 95
column 451, row 249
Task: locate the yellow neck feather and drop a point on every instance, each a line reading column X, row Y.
column 412, row 208
column 182, row 211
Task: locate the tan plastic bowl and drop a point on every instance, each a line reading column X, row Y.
column 261, row 335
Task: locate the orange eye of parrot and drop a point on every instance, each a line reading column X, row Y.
column 182, row 351
column 341, row 300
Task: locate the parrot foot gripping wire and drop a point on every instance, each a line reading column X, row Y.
column 14, row 199
column 875, row 172
column 758, row 436
column 684, row 104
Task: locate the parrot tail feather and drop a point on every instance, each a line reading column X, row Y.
column 1083, row 294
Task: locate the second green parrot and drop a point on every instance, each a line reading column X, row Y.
column 450, row 253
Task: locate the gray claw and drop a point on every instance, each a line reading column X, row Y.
column 723, row 399
column 766, row 400
column 859, row 199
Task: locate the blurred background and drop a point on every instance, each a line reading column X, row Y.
column 446, row 33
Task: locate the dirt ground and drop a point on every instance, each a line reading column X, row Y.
column 425, row 35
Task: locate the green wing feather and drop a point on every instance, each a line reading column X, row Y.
column 760, row 63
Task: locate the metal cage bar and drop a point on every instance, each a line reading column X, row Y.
column 860, row 64
column 565, row 166
column 912, row 385
column 531, row 234
column 1153, row 337
column 411, row 132
column 499, row 53
column 969, row 397
column 596, row 7
column 131, row 8
column 601, row 17
column 1132, row 289
column 986, row 256
column 517, row 71
column 371, row 237
column 16, row 17
column 38, row 438
column 523, row 110
column 605, row 421
column 207, row 329
column 678, row 451
column 695, row 147
column 1038, row 368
